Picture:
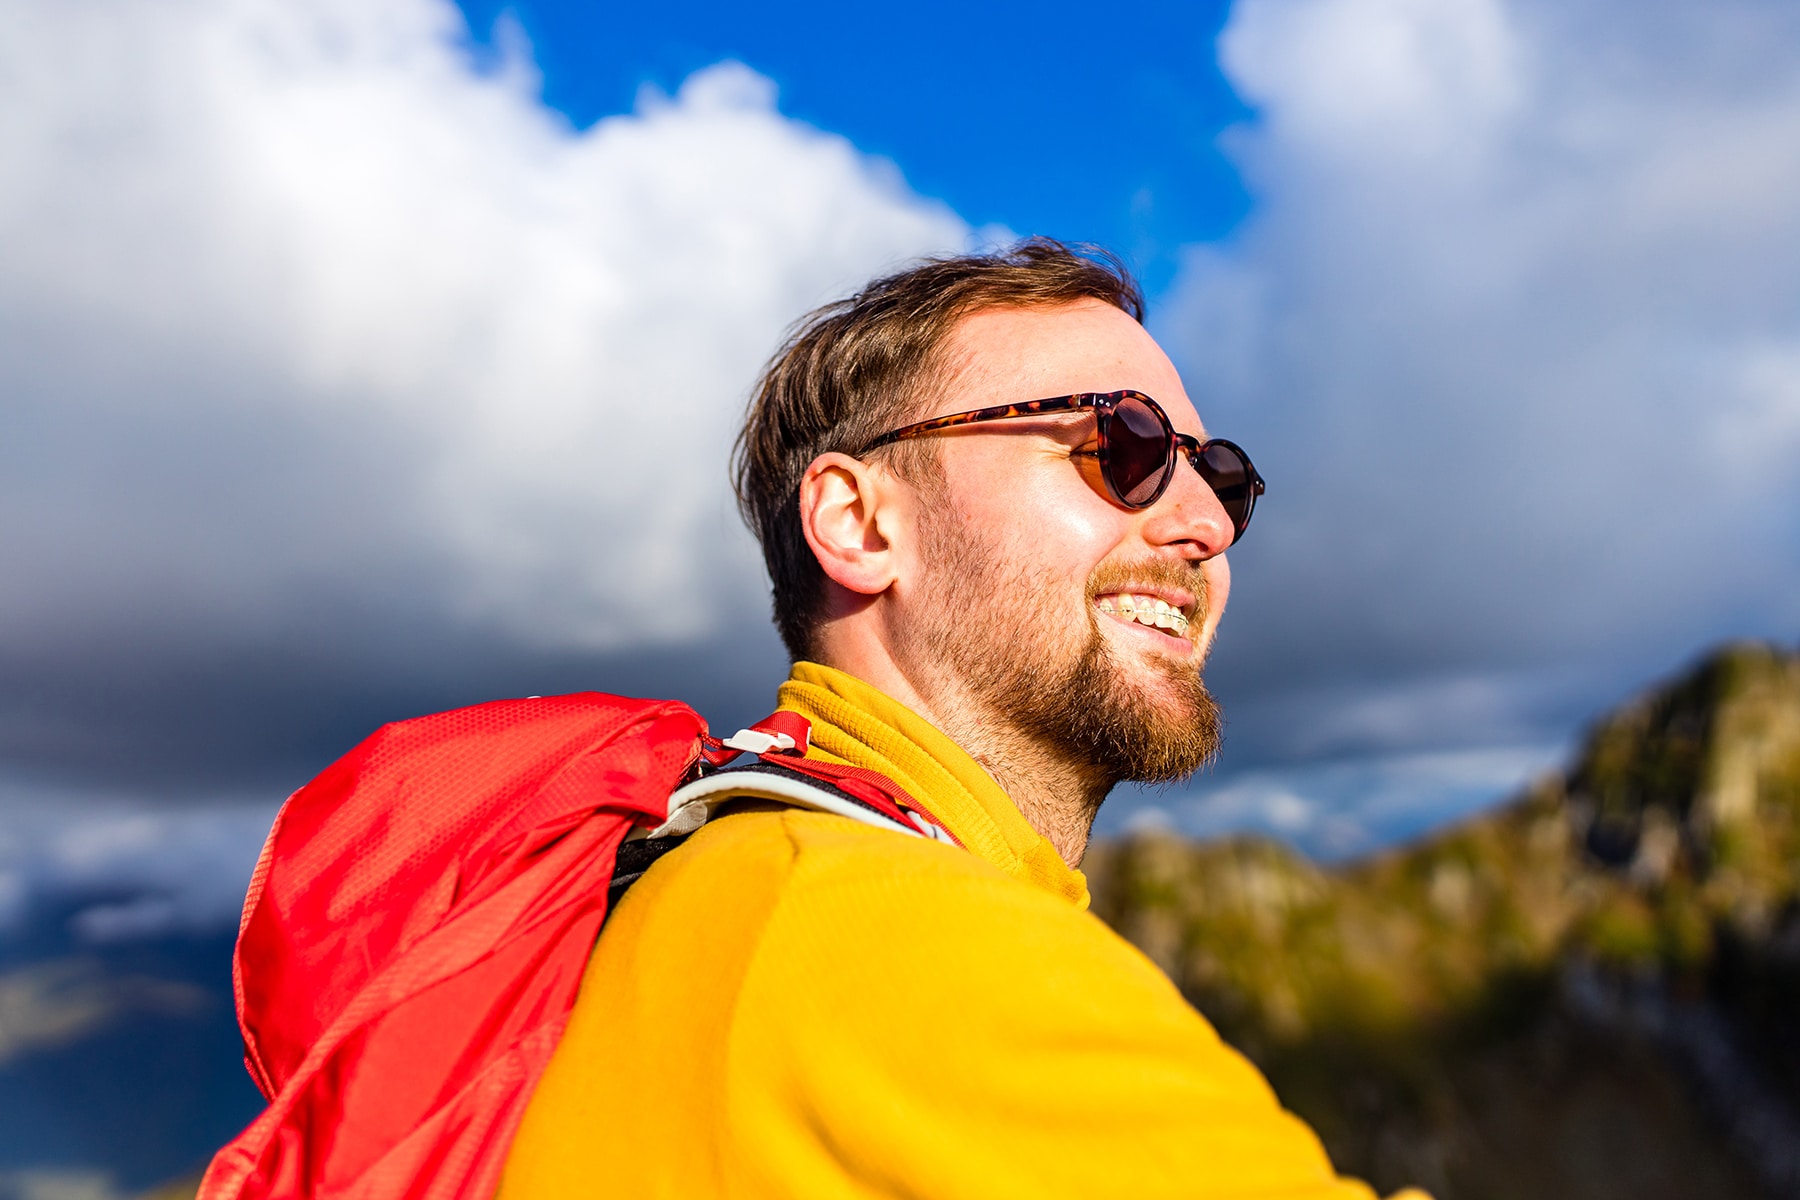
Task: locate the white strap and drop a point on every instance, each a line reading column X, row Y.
column 691, row 806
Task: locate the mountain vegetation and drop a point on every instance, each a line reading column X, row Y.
column 1592, row 991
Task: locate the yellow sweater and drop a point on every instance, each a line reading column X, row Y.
column 797, row 1005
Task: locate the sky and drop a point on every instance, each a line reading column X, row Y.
column 998, row 110
column 362, row 358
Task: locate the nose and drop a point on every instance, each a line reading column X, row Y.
column 1188, row 516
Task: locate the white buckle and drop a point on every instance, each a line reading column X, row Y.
column 755, row 741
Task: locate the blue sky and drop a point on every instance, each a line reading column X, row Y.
column 1031, row 116
column 322, row 323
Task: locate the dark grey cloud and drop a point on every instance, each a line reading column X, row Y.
column 137, row 792
column 1514, row 331
column 327, row 356
column 343, row 381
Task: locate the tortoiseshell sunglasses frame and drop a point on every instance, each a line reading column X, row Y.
column 1103, row 403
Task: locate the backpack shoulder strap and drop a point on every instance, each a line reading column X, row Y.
column 634, row 859
column 802, row 784
column 767, row 778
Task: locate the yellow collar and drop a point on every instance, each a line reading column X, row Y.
column 857, row 724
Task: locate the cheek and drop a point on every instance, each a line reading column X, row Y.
column 1218, row 581
column 1038, row 520
column 1053, row 526
column 1218, row 590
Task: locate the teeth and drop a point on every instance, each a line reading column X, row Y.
column 1145, row 610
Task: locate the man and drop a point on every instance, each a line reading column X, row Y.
column 1006, row 614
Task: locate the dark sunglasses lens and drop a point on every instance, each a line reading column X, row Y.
column 1227, row 472
column 1138, row 454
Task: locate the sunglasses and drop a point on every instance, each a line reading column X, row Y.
column 1137, row 449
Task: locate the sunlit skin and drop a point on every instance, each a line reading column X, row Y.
column 1032, row 491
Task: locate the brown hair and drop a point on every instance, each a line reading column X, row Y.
column 858, row 367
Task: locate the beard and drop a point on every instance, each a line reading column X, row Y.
column 1067, row 688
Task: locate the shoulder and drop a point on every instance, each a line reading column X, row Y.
column 869, row 907
column 747, row 869
column 794, row 884
column 794, row 918
column 792, row 848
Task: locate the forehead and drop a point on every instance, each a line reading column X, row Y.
column 1006, row 355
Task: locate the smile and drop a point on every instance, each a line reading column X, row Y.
column 1144, row 610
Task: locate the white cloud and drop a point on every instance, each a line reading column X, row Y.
column 60, row 1184
column 54, row 1003
column 1406, row 77
column 326, row 347
column 1761, row 431
column 299, row 306
column 132, row 868
column 1512, row 330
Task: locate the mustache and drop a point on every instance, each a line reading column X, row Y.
column 1150, row 575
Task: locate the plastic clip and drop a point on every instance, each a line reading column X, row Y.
column 755, row 741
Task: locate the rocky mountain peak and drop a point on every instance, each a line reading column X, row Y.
column 1693, row 768
column 1616, row 950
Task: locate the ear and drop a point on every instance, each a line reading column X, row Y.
column 847, row 512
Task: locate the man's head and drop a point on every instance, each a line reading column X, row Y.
column 854, row 369
column 985, row 572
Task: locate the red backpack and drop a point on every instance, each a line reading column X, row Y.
column 417, row 926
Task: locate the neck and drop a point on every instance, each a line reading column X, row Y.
column 1059, row 798
column 1057, row 795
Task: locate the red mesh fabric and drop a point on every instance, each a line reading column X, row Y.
column 415, row 934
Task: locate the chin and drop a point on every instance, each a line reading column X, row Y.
column 1171, row 700
column 1159, row 725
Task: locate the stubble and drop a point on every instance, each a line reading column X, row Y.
column 1053, row 677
